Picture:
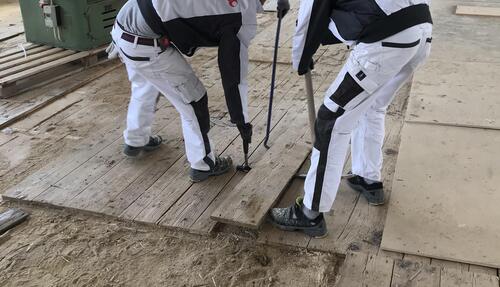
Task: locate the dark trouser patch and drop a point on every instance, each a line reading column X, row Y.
column 202, row 115
column 230, row 70
column 323, row 128
column 347, row 90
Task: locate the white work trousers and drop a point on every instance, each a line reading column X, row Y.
column 152, row 71
column 354, row 109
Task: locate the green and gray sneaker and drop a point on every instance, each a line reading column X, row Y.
column 154, row 143
column 221, row 166
column 293, row 219
column 373, row 192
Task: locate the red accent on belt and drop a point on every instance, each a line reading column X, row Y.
column 162, row 42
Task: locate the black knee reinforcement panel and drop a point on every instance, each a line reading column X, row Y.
column 202, row 115
column 323, row 128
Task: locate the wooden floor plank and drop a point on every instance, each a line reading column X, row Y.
column 37, row 182
column 87, row 180
column 456, row 278
column 197, row 199
column 165, row 192
column 258, row 89
column 351, row 272
column 483, row 270
column 378, row 271
column 415, row 272
column 247, row 206
column 484, row 280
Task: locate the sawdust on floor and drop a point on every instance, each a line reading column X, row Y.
column 58, row 248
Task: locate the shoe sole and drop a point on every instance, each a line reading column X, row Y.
column 208, row 176
column 363, row 191
column 139, row 151
column 292, row 229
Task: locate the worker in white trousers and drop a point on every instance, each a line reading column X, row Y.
column 389, row 41
column 149, row 37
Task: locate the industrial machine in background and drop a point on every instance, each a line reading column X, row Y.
column 79, row 25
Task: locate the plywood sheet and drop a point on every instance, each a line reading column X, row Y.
column 461, row 38
column 456, row 93
column 444, row 202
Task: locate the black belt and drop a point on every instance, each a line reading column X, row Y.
column 162, row 42
column 395, row 23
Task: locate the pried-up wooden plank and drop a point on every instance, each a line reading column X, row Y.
column 249, row 203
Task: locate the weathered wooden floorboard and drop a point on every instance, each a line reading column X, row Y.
column 53, row 171
column 198, row 198
column 247, row 206
column 90, row 185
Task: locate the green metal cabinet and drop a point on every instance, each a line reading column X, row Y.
column 72, row 24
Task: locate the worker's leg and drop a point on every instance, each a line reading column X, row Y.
column 174, row 77
column 141, row 110
column 369, row 68
column 368, row 137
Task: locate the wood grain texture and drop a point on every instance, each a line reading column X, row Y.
column 52, row 92
column 247, row 206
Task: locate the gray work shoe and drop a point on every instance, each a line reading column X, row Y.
column 222, row 165
column 293, row 219
column 154, row 143
column 373, row 192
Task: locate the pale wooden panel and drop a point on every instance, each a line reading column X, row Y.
column 456, row 93
column 444, row 203
column 477, row 10
column 459, row 38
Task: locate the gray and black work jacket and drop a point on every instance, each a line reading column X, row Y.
column 351, row 21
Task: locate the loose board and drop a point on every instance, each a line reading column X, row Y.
column 444, row 202
column 477, row 10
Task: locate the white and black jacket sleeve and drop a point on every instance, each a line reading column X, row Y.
column 311, row 31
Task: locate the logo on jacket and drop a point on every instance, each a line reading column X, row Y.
column 233, row 3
